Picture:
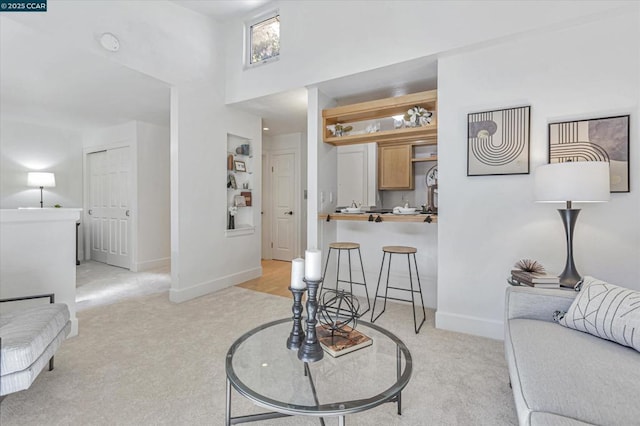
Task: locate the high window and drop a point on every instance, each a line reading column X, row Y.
column 263, row 37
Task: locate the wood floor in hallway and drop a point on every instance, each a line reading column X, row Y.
column 275, row 279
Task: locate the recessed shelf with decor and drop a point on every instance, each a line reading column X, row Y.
column 240, row 215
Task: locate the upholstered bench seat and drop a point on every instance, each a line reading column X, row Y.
column 30, row 338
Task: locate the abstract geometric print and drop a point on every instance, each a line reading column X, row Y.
column 498, row 142
column 600, row 139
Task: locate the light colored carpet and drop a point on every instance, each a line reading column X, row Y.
column 101, row 284
column 147, row 361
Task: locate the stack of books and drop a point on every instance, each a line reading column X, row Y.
column 340, row 343
column 535, row 279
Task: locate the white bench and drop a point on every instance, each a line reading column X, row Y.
column 28, row 340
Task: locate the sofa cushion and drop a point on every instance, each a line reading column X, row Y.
column 576, row 375
column 606, row 311
column 27, row 333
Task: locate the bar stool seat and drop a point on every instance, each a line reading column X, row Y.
column 391, row 250
column 399, row 249
column 348, row 247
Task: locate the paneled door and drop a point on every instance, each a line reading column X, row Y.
column 110, row 212
column 98, row 220
column 283, row 177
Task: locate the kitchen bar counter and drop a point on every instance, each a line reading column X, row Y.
column 379, row 217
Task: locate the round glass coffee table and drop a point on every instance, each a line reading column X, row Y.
column 261, row 368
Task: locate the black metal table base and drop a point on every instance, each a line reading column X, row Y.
column 276, row 415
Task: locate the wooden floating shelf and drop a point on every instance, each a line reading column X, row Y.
column 424, row 159
column 424, row 134
column 379, row 109
column 364, row 217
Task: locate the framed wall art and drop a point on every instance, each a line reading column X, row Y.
column 240, row 166
column 498, row 142
column 597, row 139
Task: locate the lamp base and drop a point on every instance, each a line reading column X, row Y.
column 569, row 276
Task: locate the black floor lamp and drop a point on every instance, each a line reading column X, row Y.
column 572, row 182
column 41, row 180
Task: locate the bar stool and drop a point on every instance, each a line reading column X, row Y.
column 340, row 247
column 400, row 250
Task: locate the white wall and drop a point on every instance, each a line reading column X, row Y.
column 487, row 223
column 26, row 147
column 325, row 40
column 153, row 204
column 322, row 173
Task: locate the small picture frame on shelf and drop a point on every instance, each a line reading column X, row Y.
column 240, row 201
column 231, row 182
column 240, row 166
column 247, row 197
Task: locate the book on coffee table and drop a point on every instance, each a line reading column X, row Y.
column 342, row 343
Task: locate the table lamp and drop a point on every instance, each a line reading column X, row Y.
column 572, row 182
column 41, row 180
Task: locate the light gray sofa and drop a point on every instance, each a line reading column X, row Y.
column 561, row 376
column 29, row 337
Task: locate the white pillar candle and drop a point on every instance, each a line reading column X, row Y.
column 297, row 273
column 313, row 261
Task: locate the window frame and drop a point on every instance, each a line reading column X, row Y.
column 248, row 25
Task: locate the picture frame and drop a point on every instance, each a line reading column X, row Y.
column 247, row 197
column 498, row 142
column 239, row 201
column 239, row 166
column 594, row 139
column 231, row 182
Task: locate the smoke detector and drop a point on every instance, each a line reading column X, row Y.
column 110, row 42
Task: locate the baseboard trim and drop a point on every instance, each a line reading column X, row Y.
column 470, row 325
column 153, row 264
column 182, row 295
column 74, row 327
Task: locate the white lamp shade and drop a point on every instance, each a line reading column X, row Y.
column 575, row 181
column 44, row 179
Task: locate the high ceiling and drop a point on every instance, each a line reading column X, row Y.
column 53, row 84
column 56, row 85
column 221, row 9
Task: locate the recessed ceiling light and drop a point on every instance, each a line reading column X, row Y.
column 110, row 42
column 265, row 128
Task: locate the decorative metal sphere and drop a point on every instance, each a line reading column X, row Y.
column 338, row 309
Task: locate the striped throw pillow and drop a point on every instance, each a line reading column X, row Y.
column 607, row 311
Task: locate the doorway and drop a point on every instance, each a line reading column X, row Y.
column 282, row 210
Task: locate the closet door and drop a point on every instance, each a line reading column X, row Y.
column 110, row 212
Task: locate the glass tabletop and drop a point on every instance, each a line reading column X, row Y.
column 260, row 367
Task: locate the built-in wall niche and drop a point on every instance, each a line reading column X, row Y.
column 240, row 186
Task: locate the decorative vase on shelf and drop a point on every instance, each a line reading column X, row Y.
column 232, row 222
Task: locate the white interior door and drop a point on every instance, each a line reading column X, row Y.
column 109, row 203
column 283, row 234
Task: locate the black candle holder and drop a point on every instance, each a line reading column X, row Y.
column 311, row 351
column 296, row 337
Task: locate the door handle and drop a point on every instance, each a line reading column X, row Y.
column 290, row 213
column 127, row 213
column 90, row 212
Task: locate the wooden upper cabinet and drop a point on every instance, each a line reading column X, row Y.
column 383, row 108
column 395, row 170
